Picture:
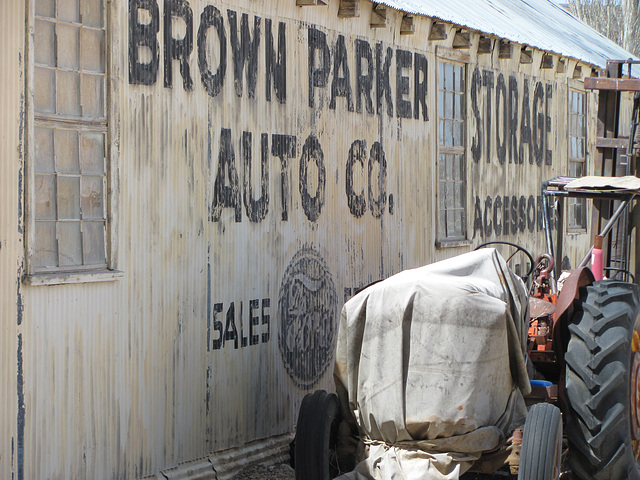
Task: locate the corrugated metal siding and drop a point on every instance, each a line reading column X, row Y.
column 255, row 391
column 497, row 182
column 12, row 36
column 127, row 378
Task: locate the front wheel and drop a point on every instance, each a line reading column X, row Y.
column 603, row 382
column 316, row 437
column 541, row 452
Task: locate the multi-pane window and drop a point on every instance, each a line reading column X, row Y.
column 577, row 211
column 70, row 125
column 451, row 164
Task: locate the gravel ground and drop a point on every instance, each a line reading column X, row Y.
column 285, row 472
column 261, row 472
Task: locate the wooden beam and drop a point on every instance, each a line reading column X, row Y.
column 577, row 72
column 457, row 55
column 349, row 8
column 617, row 84
column 307, row 3
column 506, row 49
column 378, row 17
column 438, row 31
column 485, row 45
column 526, row 55
column 462, row 39
column 609, row 142
column 547, row 61
column 407, row 27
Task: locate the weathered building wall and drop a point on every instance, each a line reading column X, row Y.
column 11, row 230
column 286, row 158
column 520, row 137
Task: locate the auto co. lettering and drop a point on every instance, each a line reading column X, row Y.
column 233, row 191
column 240, row 41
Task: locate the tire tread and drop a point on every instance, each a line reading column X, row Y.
column 540, row 443
column 597, row 382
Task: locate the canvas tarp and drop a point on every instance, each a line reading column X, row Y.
column 430, row 364
column 629, row 183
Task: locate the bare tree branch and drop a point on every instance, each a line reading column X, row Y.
column 619, row 20
column 631, row 15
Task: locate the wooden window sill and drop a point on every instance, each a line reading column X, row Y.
column 78, row 276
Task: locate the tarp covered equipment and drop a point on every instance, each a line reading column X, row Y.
column 430, row 364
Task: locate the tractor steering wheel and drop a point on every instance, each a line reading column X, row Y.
column 518, row 248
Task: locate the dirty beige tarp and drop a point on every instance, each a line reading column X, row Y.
column 628, row 183
column 431, row 364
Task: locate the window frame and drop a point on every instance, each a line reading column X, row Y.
column 575, row 225
column 458, row 59
column 106, row 126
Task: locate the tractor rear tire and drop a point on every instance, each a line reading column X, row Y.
column 541, row 452
column 316, row 435
column 602, row 383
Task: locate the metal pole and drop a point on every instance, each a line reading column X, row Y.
column 546, row 219
column 607, row 228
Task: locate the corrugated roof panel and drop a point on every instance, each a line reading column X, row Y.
column 537, row 23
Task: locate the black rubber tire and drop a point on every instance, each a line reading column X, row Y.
column 316, row 434
column 598, row 392
column 541, row 452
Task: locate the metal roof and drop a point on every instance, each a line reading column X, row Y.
column 537, row 23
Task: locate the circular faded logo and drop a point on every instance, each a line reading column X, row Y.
column 307, row 306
